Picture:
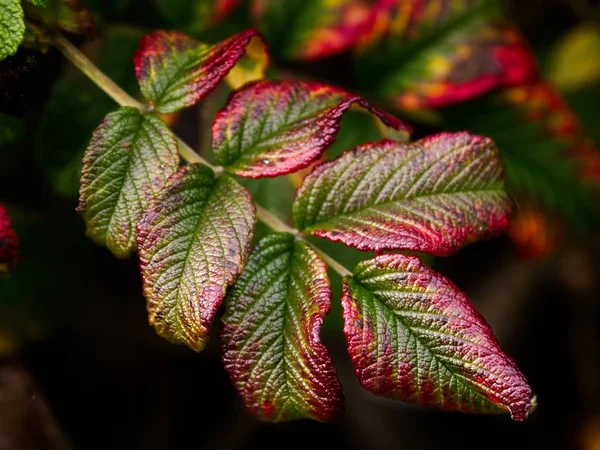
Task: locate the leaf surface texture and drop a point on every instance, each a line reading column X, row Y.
column 12, row 27
column 193, row 243
column 125, row 165
column 413, row 336
column 272, row 128
column 434, row 195
column 175, row 71
column 271, row 344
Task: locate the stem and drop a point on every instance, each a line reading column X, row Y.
column 80, row 61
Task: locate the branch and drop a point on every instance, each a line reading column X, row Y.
column 80, row 61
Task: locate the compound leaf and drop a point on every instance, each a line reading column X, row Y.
column 126, row 164
column 193, row 243
column 12, row 27
column 434, row 195
column 175, row 71
column 413, row 336
column 272, row 128
column 9, row 243
column 271, row 344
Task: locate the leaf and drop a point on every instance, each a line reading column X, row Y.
column 272, row 128
column 12, row 27
column 271, row 334
column 413, row 336
column 125, row 166
column 575, row 61
column 66, row 15
column 39, row 3
column 432, row 53
column 314, row 29
column 434, row 195
column 9, row 244
column 175, row 71
column 193, row 243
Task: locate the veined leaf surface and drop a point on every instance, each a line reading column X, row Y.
column 176, row 71
column 272, row 128
column 413, row 336
column 12, row 27
column 434, row 195
column 126, row 164
column 271, row 344
column 193, row 243
column 9, row 243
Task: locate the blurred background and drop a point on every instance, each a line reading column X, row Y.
column 81, row 368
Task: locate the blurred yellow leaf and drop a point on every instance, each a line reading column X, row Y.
column 576, row 59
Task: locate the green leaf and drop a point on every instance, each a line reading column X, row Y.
column 413, row 336
column 126, row 164
column 271, row 128
column 12, row 27
column 435, row 195
column 176, row 71
column 193, row 243
column 39, row 3
column 271, row 334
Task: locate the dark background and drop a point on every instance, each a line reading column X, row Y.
column 86, row 371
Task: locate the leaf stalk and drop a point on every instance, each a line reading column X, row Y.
column 82, row 62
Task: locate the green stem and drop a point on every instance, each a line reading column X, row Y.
column 80, row 61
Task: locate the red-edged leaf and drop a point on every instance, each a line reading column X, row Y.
column 319, row 28
column 271, row 344
column 413, row 336
column 176, row 71
column 431, row 53
column 434, row 195
column 272, row 128
column 193, row 243
column 9, row 243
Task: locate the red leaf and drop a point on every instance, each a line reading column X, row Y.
column 271, row 128
column 432, row 53
column 176, row 71
column 9, row 243
column 434, row 195
column 413, row 336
